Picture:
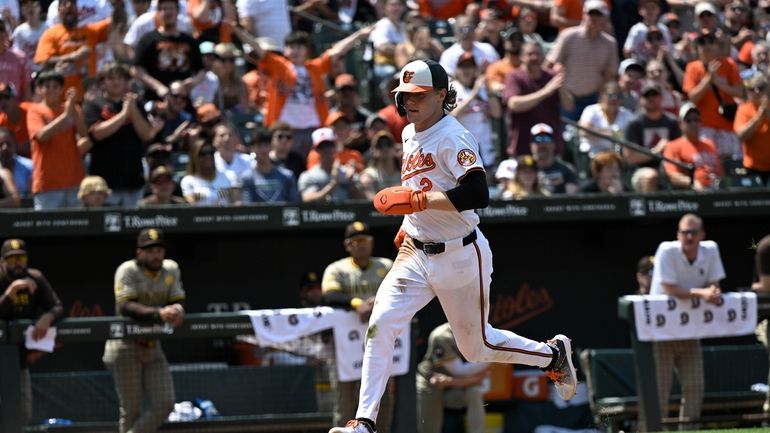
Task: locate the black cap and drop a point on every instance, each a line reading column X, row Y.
column 651, row 87
column 12, row 247
column 309, row 279
column 357, row 228
column 149, row 238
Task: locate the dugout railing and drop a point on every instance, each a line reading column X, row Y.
column 291, row 396
column 632, row 377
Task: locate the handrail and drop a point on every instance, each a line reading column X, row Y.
column 635, row 147
column 326, row 23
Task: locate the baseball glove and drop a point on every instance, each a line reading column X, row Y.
column 399, row 200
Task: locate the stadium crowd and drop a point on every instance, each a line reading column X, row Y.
column 221, row 102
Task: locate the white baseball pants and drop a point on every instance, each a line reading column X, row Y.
column 460, row 277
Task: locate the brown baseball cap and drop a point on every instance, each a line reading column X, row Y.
column 150, row 237
column 12, row 247
column 357, row 228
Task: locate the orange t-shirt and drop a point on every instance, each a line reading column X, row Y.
column 708, row 104
column 56, row 162
column 344, row 157
column 225, row 33
column 19, row 129
column 744, row 54
column 497, row 71
column 756, row 152
column 702, row 154
column 283, row 78
column 58, row 41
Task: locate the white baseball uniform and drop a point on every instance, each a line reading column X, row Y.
column 435, row 160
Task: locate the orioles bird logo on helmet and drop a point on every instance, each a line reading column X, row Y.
column 407, row 76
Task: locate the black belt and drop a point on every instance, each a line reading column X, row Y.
column 431, row 248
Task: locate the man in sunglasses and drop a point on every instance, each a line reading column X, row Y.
column 688, row 267
column 27, row 295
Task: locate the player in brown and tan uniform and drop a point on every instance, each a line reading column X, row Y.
column 352, row 283
column 147, row 288
column 446, row 379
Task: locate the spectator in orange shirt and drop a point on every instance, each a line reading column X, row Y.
column 752, row 124
column 59, row 139
column 344, row 153
column 692, row 149
column 708, row 79
column 511, row 60
column 209, row 19
column 296, row 93
column 13, row 115
column 72, row 49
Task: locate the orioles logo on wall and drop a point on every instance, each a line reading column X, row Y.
column 466, row 157
column 407, row 76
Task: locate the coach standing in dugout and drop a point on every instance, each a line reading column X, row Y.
column 762, row 284
column 147, row 288
column 688, row 267
column 352, row 283
column 26, row 295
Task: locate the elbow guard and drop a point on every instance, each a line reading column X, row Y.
column 471, row 193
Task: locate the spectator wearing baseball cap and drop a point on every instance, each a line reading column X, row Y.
column 163, row 189
column 384, row 165
column 556, row 175
column 634, row 45
column 348, row 102
column 692, row 148
column 484, row 53
column 572, row 49
column 525, row 180
column 26, row 294
column 329, row 180
column 630, row 78
column 342, row 134
column 712, row 82
column 651, row 128
column 475, row 108
column 205, row 91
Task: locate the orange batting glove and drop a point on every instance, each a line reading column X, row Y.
column 399, row 200
column 399, row 239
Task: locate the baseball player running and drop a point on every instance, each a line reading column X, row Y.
column 441, row 250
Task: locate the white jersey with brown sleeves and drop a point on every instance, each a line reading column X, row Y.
column 435, row 160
